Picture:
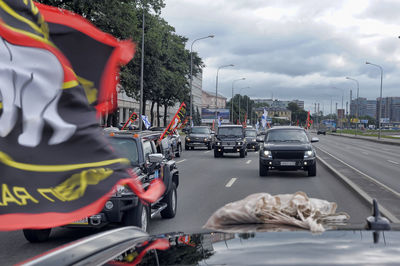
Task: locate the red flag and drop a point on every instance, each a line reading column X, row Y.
column 176, row 121
column 134, row 116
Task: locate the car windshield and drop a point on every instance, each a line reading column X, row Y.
column 251, row 133
column 286, row 136
column 230, row 131
column 126, row 148
column 200, row 130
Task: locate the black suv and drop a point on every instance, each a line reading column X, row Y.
column 199, row 136
column 230, row 139
column 288, row 148
column 124, row 207
column 251, row 139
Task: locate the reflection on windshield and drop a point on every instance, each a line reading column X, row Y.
column 200, row 130
column 126, row 148
column 251, row 133
column 286, row 136
column 228, row 131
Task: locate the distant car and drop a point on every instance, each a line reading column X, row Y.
column 174, row 141
column 230, row 139
column 287, row 148
column 251, row 139
column 199, row 136
column 321, row 131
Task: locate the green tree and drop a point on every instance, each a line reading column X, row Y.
column 244, row 99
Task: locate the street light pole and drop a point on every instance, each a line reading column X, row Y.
column 233, row 82
column 191, row 75
column 380, row 99
column 358, row 91
column 141, row 77
column 216, row 89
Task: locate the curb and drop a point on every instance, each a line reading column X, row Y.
column 368, row 139
column 385, row 212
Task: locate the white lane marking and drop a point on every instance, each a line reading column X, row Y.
column 393, row 162
column 230, row 183
column 365, row 175
column 181, row 161
column 361, row 192
column 248, row 162
column 364, row 152
column 207, row 151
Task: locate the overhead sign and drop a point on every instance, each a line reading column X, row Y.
column 208, row 115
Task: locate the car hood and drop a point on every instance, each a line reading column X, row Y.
column 278, row 246
column 250, row 138
column 199, row 136
column 287, row 146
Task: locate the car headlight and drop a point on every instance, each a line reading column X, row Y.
column 205, row 139
column 253, row 140
column 267, row 153
column 308, row 154
column 239, row 143
column 218, row 143
column 187, row 139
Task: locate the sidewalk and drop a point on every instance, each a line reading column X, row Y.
column 373, row 139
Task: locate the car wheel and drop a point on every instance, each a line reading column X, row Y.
column 37, row 235
column 242, row 153
column 192, row 148
column 209, row 147
column 257, row 148
column 172, row 203
column 312, row 170
column 216, row 154
column 263, row 170
column 138, row 216
column 186, row 147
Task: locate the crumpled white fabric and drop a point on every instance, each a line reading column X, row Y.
column 286, row 209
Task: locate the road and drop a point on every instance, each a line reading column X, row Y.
column 205, row 185
column 379, row 161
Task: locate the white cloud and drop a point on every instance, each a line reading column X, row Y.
column 293, row 49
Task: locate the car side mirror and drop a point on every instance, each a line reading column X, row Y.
column 314, row 139
column 156, row 158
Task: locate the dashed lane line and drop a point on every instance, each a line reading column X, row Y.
column 207, row 151
column 181, row 161
column 248, row 162
column 230, row 183
column 393, row 162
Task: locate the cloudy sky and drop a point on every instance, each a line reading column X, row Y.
column 294, row 49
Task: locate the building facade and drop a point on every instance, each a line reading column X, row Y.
column 197, row 94
column 275, row 112
column 366, row 107
column 208, row 100
column 390, row 108
column 277, row 103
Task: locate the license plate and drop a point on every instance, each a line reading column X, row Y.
column 288, row 163
column 82, row 221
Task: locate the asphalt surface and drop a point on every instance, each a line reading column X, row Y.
column 379, row 161
column 206, row 184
